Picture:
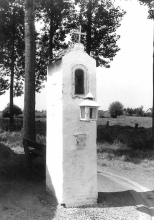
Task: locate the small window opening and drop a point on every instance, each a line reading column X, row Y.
column 92, row 113
column 79, row 81
column 91, row 110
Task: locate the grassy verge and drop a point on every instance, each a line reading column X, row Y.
column 120, row 139
column 13, row 139
column 116, row 140
column 119, row 151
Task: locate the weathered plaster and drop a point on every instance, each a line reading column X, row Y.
column 72, row 169
column 54, row 154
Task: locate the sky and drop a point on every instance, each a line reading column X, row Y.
column 129, row 79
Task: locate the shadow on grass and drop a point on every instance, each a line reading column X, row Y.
column 124, row 134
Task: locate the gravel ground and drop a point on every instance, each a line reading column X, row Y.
column 99, row 212
column 113, row 206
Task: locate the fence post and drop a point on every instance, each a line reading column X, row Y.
column 136, row 126
column 107, row 125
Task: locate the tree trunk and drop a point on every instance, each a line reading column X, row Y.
column 29, row 98
column 88, row 49
column 12, row 70
column 153, row 89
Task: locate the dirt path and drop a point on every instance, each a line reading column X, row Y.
column 142, row 173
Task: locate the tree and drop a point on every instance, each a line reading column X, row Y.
column 53, row 33
column 115, row 109
column 12, row 42
column 130, row 111
column 3, row 83
column 139, row 111
column 11, row 46
column 59, row 17
column 12, row 49
column 51, row 37
column 99, row 19
column 6, row 111
column 29, row 95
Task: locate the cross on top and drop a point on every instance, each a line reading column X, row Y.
column 79, row 33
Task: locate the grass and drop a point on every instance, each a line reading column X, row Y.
column 145, row 122
column 13, row 139
column 119, row 151
column 120, row 140
column 124, row 130
column 40, row 118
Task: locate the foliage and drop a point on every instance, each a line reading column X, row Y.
column 6, row 111
column 12, row 43
column 39, row 114
column 3, row 85
column 100, row 20
column 135, row 111
column 150, row 4
column 135, row 139
column 52, row 14
column 51, row 37
column 115, row 109
column 148, row 114
column 10, row 137
column 12, row 48
column 107, row 137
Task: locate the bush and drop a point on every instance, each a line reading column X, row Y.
column 39, row 114
column 115, row 109
column 6, row 111
column 148, row 114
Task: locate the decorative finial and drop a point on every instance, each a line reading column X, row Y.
column 78, row 32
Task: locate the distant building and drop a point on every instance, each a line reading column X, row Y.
column 149, row 110
column 148, row 113
column 104, row 114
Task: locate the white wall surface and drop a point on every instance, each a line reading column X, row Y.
column 71, row 169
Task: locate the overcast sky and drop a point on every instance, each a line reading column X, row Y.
column 129, row 80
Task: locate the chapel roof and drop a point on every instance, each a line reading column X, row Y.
column 72, row 47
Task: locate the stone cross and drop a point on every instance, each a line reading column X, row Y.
column 79, row 33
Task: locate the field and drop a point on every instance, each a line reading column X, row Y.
column 135, row 132
column 40, row 123
column 145, row 122
column 129, row 130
